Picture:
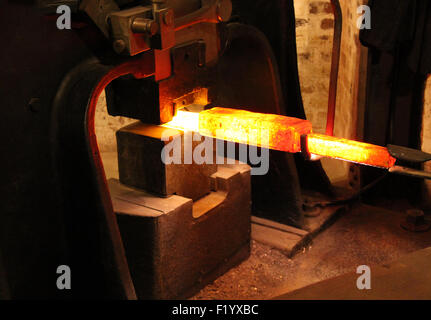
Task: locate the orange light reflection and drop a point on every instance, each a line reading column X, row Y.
column 349, row 150
column 184, row 120
column 278, row 133
column 259, row 129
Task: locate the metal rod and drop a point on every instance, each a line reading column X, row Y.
column 410, row 172
column 336, row 50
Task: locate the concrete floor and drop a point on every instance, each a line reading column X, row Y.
column 364, row 235
column 407, row 278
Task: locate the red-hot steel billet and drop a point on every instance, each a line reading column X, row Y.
column 349, row 150
column 263, row 130
column 280, row 133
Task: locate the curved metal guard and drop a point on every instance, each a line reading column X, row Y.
column 95, row 248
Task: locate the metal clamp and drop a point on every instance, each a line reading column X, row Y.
column 142, row 28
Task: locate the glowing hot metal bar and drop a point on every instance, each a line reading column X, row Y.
column 349, row 150
column 279, row 133
column 263, row 130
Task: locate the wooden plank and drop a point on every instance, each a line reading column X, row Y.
column 279, row 226
column 282, row 237
column 405, row 279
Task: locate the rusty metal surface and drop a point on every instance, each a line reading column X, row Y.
column 121, row 23
column 150, row 100
column 172, row 254
column 140, row 28
column 190, row 72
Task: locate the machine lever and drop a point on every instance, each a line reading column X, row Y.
column 408, row 154
column 410, row 172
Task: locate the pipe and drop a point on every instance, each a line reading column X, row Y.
column 336, row 49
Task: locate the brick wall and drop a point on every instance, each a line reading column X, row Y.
column 426, row 136
column 106, row 126
column 314, row 21
column 314, row 27
column 314, row 32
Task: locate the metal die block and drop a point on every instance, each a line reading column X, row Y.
column 175, row 247
column 140, row 147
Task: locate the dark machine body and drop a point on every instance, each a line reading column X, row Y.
column 56, row 207
column 158, row 231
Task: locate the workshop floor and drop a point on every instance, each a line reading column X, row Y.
column 364, row 235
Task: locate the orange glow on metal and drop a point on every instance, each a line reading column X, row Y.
column 184, row 120
column 349, row 150
column 258, row 129
column 278, row 133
